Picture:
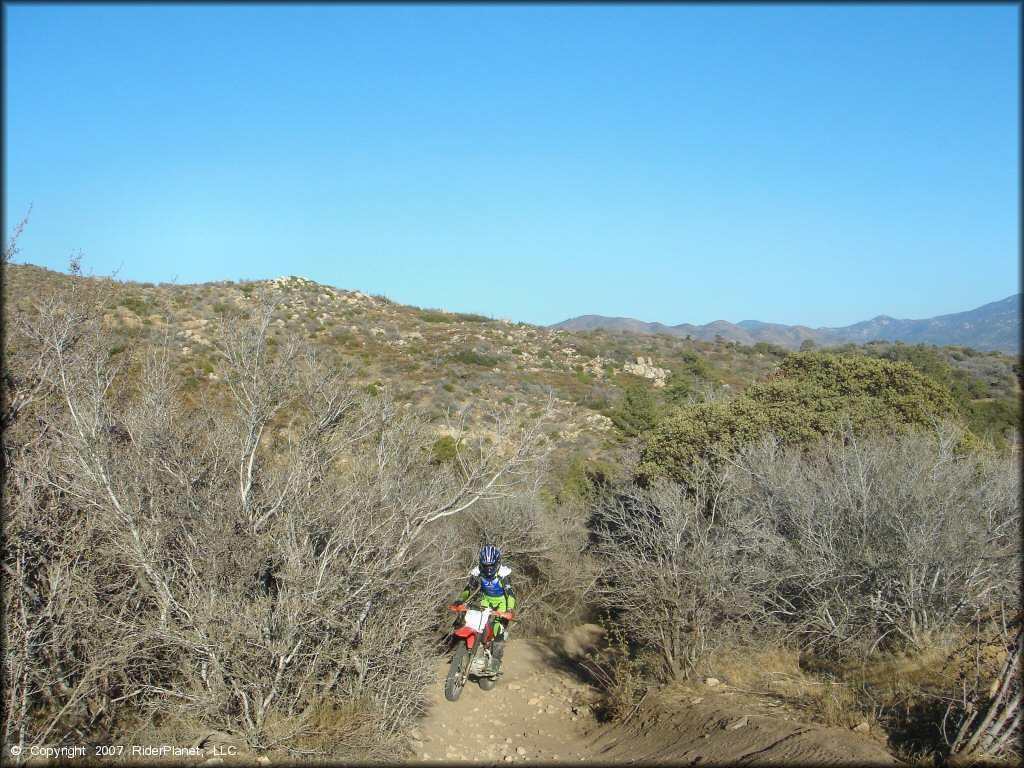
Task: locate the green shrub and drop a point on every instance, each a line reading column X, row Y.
column 434, row 317
column 771, row 349
column 695, row 364
column 810, row 396
column 580, row 477
column 994, row 420
column 445, row 450
column 677, row 389
column 470, row 356
column 137, row 305
column 637, row 411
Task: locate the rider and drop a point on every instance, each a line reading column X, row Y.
column 491, row 577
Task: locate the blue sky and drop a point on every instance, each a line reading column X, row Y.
column 802, row 164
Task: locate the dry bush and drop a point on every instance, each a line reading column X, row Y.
column 65, row 628
column 892, row 541
column 620, row 673
column 247, row 563
column 776, row 671
column 861, row 552
column 684, row 568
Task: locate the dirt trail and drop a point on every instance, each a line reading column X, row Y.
column 540, row 712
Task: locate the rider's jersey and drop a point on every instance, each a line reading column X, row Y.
column 496, row 587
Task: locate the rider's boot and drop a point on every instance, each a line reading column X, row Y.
column 497, row 649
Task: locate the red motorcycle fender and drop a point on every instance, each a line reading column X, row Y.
column 468, row 633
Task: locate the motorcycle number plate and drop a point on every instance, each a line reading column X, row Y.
column 477, row 619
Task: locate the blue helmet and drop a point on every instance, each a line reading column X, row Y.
column 490, row 559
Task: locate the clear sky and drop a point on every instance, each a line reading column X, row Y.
column 806, row 164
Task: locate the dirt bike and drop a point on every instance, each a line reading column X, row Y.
column 472, row 650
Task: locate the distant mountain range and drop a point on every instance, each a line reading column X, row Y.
column 994, row 326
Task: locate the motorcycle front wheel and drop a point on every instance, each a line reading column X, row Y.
column 486, row 683
column 457, row 673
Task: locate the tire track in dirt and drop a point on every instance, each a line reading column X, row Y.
column 541, row 711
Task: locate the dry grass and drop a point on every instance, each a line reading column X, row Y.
column 345, row 733
column 902, row 696
column 621, row 675
column 777, row 671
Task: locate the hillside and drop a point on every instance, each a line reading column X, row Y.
column 434, row 360
column 994, row 326
column 437, row 361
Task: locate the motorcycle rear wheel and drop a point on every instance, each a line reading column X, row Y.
column 457, row 673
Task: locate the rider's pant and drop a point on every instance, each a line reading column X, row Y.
column 499, row 628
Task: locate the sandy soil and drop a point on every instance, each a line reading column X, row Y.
column 540, row 712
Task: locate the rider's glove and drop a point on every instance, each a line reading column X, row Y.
column 457, row 603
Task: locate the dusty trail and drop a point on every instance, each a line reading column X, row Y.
column 540, row 712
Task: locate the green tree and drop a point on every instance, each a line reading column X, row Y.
column 637, row 411
column 695, row 364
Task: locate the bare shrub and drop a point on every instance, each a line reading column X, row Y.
column 850, row 546
column 892, row 539
column 11, row 249
column 65, row 629
column 684, row 569
column 250, row 563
